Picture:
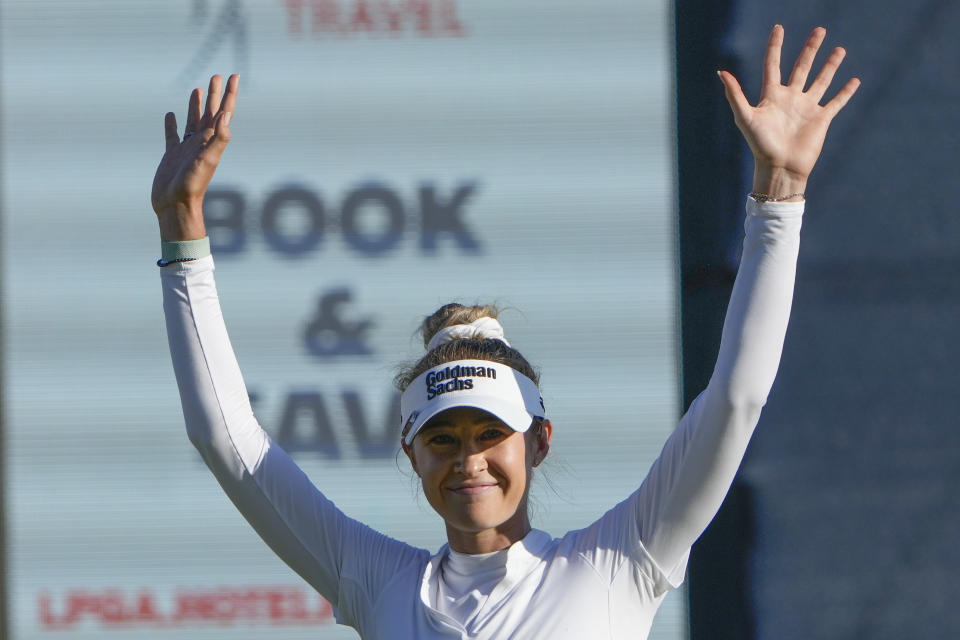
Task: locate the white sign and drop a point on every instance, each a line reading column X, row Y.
column 388, row 157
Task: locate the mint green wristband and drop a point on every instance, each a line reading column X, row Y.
column 183, row 251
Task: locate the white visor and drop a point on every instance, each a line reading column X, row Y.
column 496, row 388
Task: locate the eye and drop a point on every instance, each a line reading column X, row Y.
column 439, row 439
column 492, row 433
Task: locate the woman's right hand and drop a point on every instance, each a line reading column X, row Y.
column 187, row 167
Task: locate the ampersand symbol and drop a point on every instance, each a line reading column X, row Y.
column 329, row 335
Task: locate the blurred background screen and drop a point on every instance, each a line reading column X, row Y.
column 388, row 157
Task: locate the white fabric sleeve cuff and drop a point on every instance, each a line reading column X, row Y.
column 775, row 209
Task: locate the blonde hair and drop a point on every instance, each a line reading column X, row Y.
column 462, row 348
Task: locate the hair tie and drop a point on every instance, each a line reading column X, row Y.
column 479, row 329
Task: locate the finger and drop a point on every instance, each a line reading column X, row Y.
column 771, row 62
column 193, row 113
column 221, row 133
column 213, row 102
column 217, row 143
column 738, row 102
column 229, row 102
column 825, row 77
column 843, row 97
column 801, row 68
column 170, row 130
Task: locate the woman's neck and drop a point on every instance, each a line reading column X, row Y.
column 488, row 540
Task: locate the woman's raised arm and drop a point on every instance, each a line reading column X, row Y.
column 786, row 132
column 341, row 558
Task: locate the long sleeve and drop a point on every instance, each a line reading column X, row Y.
column 688, row 482
column 347, row 562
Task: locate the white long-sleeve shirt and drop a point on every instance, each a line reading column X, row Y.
column 604, row 581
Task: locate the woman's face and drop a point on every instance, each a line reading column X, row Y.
column 476, row 473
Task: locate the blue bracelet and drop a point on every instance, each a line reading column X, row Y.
column 164, row 263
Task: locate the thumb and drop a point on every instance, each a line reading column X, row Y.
column 738, row 102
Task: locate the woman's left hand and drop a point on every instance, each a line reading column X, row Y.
column 787, row 128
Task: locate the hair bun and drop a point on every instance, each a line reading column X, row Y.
column 485, row 328
column 484, row 341
column 453, row 314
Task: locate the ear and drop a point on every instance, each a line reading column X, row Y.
column 542, row 444
column 407, row 449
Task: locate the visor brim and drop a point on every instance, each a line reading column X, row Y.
column 514, row 416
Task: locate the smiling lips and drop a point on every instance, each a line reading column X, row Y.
column 474, row 488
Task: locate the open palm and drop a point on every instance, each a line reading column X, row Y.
column 787, row 127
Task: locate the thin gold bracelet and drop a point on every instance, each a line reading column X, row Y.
column 765, row 197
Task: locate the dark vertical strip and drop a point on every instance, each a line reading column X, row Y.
column 4, row 622
column 710, row 175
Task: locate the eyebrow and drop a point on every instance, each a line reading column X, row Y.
column 432, row 426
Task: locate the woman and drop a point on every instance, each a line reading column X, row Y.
column 473, row 424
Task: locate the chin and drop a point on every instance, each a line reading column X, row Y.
column 480, row 519
column 479, row 522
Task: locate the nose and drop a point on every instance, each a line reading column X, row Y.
column 471, row 462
